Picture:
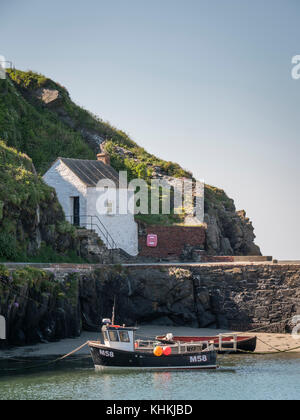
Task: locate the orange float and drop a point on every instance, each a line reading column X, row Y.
column 158, row 351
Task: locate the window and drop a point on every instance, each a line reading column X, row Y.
column 113, row 336
column 124, row 337
column 109, row 208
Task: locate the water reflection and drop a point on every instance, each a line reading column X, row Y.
column 262, row 377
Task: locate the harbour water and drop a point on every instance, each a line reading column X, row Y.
column 239, row 377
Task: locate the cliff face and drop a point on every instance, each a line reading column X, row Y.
column 31, row 218
column 229, row 232
column 38, row 117
column 39, row 306
column 235, row 297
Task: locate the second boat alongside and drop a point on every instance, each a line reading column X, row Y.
column 222, row 343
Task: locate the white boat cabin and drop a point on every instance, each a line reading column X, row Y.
column 118, row 337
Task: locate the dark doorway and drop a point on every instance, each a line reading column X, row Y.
column 76, row 211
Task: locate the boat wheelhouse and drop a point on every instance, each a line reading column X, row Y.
column 122, row 351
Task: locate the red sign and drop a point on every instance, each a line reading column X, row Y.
column 152, row 241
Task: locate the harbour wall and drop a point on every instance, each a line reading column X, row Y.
column 64, row 301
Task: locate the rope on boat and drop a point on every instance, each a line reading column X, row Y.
column 86, row 343
column 48, row 363
column 73, row 352
column 269, row 345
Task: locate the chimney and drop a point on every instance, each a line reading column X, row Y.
column 103, row 156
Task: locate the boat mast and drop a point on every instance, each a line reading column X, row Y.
column 113, row 312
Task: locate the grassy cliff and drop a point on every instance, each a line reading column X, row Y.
column 31, row 220
column 38, row 117
column 46, row 130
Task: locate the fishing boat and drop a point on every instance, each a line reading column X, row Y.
column 121, row 351
column 222, row 343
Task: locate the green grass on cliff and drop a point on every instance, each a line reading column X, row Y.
column 40, row 284
column 18, row 184
column 35, row 130
column 28, row 125
column 21, row 193
column 42, row 133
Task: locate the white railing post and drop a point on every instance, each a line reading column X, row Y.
column 220, row 342
column 235, row 342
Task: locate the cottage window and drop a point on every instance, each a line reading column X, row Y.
column 109, row 207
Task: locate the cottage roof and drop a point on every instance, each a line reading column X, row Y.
column 90, row 172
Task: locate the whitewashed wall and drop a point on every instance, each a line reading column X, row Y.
column 67, row 185
column 122, row 228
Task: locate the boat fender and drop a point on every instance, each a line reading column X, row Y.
column 158, row 351
column 167, row 351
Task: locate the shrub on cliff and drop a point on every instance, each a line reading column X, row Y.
column 30, row 213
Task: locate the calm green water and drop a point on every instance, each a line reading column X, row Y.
column 240, row 377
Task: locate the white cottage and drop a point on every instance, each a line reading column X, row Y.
column 75, row 182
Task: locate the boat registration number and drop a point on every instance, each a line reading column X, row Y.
column 106, row 353
column 198, row 359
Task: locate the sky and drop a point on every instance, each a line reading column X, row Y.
column 205, row 83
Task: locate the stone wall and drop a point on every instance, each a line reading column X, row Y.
column 173, row 241
column 217, row 296
column 250, row 296
column 237, row 296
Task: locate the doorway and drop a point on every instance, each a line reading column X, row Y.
column 76, row 211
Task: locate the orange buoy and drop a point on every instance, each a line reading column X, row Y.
column 158, row 351
column 167, row 351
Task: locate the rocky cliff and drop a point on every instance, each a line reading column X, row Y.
column 31, row 219
column 38, row 117
column 42, row 306
column 38, row 307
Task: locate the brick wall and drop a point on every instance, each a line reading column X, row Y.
column 171, row 240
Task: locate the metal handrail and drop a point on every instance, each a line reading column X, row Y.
column 110, row 242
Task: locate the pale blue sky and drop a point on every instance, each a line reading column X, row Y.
column 206, row 83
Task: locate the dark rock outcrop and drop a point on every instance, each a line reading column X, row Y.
column 50, row 97
column 39, row 307
column 229, row 232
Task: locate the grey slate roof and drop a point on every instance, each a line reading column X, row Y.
column 90, row 172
